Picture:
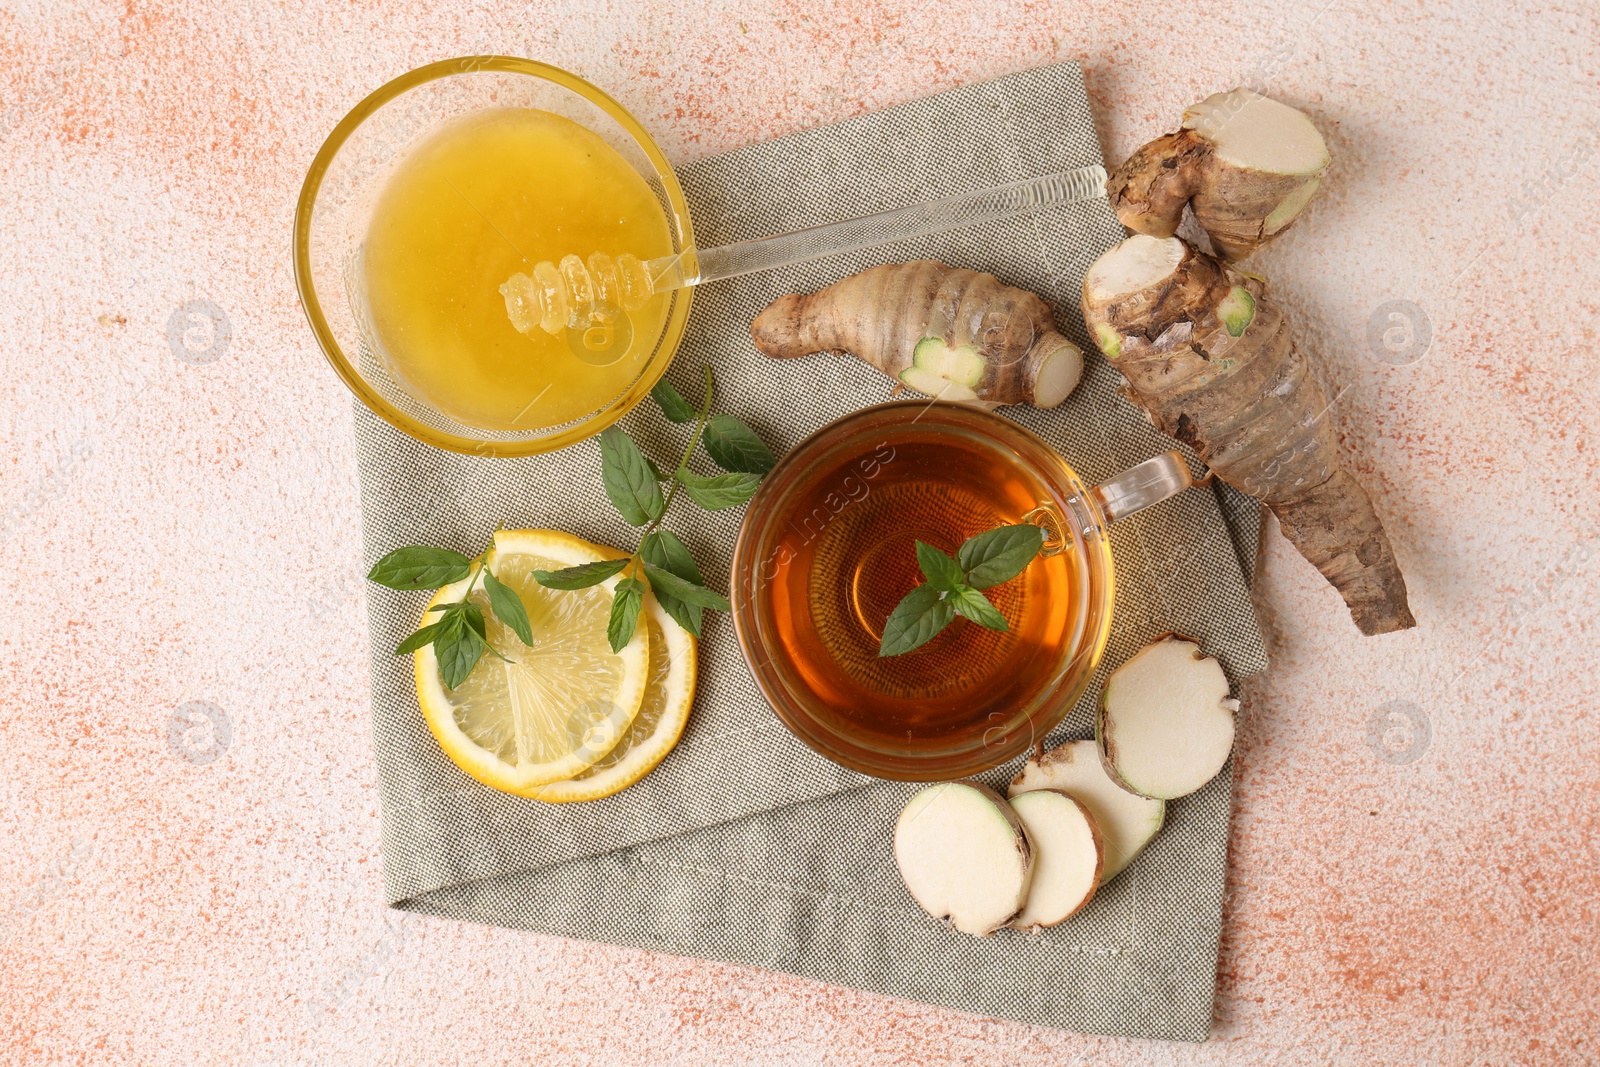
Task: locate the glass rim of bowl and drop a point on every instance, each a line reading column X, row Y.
column 1057, row 696
column 333, row 351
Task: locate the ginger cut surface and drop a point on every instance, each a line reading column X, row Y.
column 1247, row 165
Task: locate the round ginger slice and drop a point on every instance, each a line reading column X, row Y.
column 1127, row 821
column 964, row 856
column 1165, row 726
column 1067, row 855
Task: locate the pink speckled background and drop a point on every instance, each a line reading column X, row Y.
column 177, row 530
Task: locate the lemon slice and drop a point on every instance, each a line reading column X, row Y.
column 562, row 703
column 668, row 693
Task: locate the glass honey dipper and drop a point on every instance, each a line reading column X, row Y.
column 589, row 299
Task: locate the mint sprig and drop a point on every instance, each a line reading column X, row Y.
column 642, row 496
column 953, row 586
column 459, row 635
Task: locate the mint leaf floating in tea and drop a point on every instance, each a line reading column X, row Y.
column 941, row 571
column 973, row 605
column 915, row 621
column 999, row 555
column 952, row 589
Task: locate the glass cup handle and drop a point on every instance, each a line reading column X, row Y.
column 1156, row 479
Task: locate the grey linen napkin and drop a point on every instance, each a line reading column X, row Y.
column 744, row 845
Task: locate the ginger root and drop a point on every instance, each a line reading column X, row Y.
column 1207, row 355
column 1246, row 164
column 950, row 333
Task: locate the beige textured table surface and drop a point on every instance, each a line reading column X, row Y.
column 189, row 856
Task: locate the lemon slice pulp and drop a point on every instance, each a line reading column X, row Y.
column 668, row 694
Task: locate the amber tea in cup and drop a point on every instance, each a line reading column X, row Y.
column 828, row 550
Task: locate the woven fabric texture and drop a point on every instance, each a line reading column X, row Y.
column 744, row 845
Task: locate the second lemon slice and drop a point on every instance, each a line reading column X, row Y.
column 561, row 704
column 667, row 696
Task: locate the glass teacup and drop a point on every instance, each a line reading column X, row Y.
column 827, row 550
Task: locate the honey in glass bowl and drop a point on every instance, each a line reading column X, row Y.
column 489, row 194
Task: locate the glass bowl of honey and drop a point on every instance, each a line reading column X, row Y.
column 432, row 192
column 828, row 548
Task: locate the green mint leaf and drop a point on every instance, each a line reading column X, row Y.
column 474, row 617
column 458, row 648
column 733, row 446
column 971, row 604
column 663, row 550
column 999, row 555
column 508, row 607
column 915, row 621
column 628, row 481
column 671, row 402
column 941, row 571
column 475, row 621
column 582, row 576
column 719, row 491
column 420, row 567
column 422, row 637
column 625, row 613
column 663, row 581
column 655, row 470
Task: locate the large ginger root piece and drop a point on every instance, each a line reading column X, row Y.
column 1208, row 356
column 1245, row 163
column 950, row 333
